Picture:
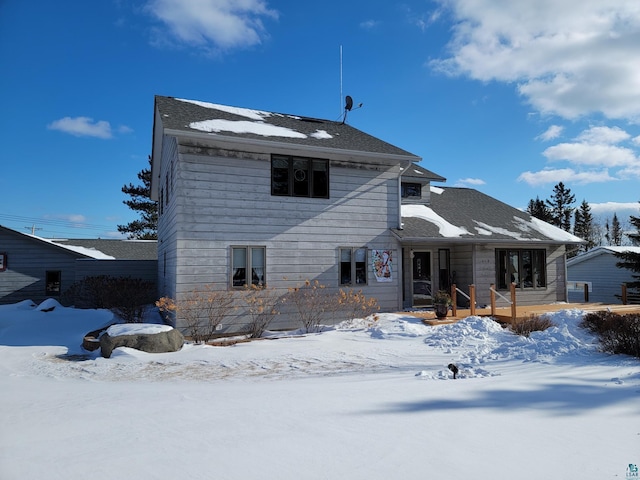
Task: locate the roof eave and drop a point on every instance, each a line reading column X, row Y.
column 383, row 157
column 480, row 241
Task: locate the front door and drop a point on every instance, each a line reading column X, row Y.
column 422, row 278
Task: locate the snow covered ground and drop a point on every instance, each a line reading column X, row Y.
column 365, row 400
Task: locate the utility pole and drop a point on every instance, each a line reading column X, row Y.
column 33, row 229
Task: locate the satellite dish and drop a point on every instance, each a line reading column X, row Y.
column 348, row 103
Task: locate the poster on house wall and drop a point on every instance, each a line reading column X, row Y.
column 382, row 265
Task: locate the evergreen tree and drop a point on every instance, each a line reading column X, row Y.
column 616, row 231
column 538, row 209
column 631, row 260
column 560, row 206
column 584, row 227
column 147, row 227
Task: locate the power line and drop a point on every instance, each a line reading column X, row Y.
column 54, row 222
column 56, row 227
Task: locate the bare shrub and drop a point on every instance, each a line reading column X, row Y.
column 617, row 334
column 600, row 322
column 311, row 302
column 126, row 296
column 354, row 304
column 535, row 323
column 166, row 307
column 216, row 304
column 262, row 307
column 202, row 311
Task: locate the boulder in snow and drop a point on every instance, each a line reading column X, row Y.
column 146, row 337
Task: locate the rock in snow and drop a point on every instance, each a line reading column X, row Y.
column 148, row 338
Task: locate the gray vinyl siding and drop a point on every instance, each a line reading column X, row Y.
column 28, row 260
column 167, row 231
column 142, row 269
column 485, row 258
column 605, row 277
column 224, row 201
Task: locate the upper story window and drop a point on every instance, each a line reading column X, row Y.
column 411, row 190
column 525, row 268
column 299, row 176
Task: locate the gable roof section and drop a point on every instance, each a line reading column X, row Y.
column 597, row 251
column 195, row 117
column 467, row 215
column 77, row 252
column 114, row 249
column 417, row 173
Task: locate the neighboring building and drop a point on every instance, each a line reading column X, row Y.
column 253, row 197
column 34, row 268
column 597, row 268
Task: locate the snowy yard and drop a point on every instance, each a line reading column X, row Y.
column 362, row 400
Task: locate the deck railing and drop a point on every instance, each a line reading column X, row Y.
column 629, row 298
column 471, row 297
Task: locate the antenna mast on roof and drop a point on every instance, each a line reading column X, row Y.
column 341, row 97
column 348, row 105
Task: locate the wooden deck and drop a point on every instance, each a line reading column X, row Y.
column 503, row 315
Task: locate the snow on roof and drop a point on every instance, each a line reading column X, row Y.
column 243, row 112
column 603, row 250
column 484, row 229
column 243, row 126
column 257, row 126
column 422, row 211
column 551, row 231
column 89, row 252
column 620, row 249
column 468, row 213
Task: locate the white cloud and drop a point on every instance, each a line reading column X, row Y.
column 591, row 154
column 551, row 176
column 569, row 57
column 613, row 207
column 82, row 127
column 368, row 24
column 213, row 24
column 608, row 135
column 551, row 133
column 463, row 182
column 125, row 129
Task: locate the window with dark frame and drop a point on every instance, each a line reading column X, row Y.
column 248, row 266
column 53, row 282
column 527, row 268
column 299, row 176
column 353, row 266
column 411, row 190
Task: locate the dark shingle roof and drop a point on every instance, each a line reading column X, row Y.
column 418, row 173
column 184, row 115
column 119, row 249
column 469, row 215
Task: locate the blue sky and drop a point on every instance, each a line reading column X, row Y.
column 505, row 97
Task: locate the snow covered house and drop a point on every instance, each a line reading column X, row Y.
column 597, row 268
column 254, row 197
column 35, row 268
